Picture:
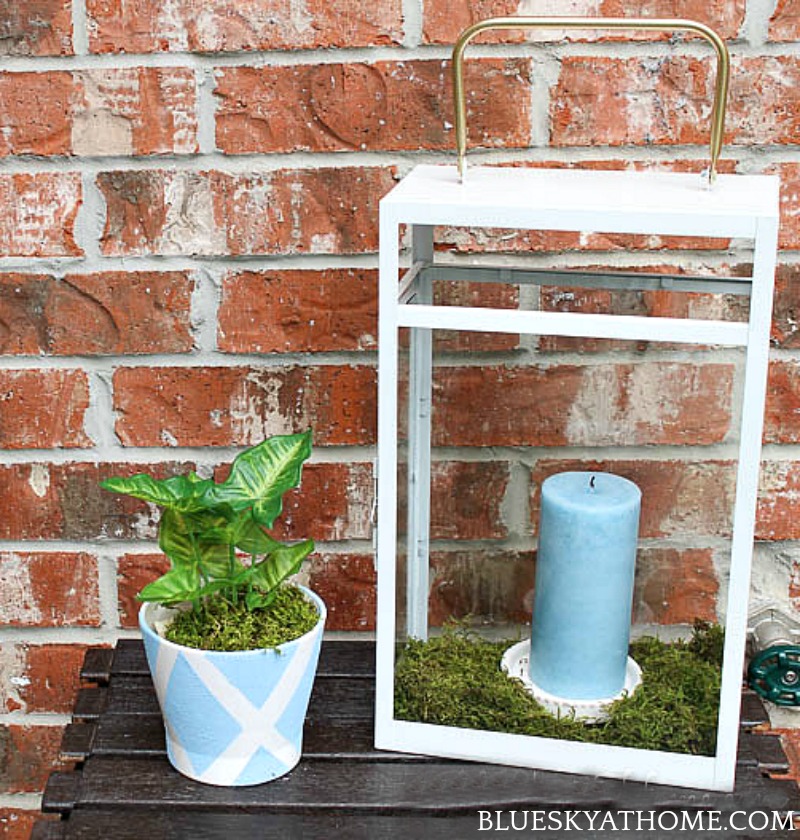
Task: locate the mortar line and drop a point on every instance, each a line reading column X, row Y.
column 80, row 32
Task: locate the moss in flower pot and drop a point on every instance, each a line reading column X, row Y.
column 231, row 644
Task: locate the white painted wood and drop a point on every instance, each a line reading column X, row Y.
column 536, row 322
column 611, row 202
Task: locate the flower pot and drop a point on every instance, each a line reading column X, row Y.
column 232, row 718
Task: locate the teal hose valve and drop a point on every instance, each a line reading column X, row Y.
column 774, row 670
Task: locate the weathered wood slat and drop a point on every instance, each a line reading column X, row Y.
column 96, row 666
column 433, row 787
column 77, row 741
column 116, row 825
column 48, row 830
column 90, row 703
column 753, row 712
column 61, row 792
column 768, row 751
column 343, row 658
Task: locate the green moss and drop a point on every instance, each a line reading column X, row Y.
column 220, row 625
column 456, row 680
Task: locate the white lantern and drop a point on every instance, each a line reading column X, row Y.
column 616, row 202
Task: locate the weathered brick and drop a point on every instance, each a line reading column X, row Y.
column 298, row 311
column 28, row 754
column 513, row 240
column 49, row 589
column 783, row 402
column 348, row 585
column 65, row 502
column 786, row 307
column 24, row 422
column 784, row 24
column 444, row 19
column 675, row 586
column 466, row 500
column 492, row 587
column 17, row 824
column 662, row 303
column 241, row 406
column 39, row 217
column 679, row 498
column 92, row 314
column 386, row 105
column 121, row 111
column 134, row 571
column 603, row 405
column 789, row 232
column 778, row 512
column 35, row 27
column 234, row 25
column 601, row 101
column 285, row 212
column 40, row 678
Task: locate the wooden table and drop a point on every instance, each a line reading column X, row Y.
column 123, row 788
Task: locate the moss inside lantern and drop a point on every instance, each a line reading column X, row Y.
column 455, row 680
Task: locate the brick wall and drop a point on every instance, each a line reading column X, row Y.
column 188, row 208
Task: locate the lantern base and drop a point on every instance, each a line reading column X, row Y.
column 515, row 663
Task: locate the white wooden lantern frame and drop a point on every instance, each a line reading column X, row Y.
column 661, row 203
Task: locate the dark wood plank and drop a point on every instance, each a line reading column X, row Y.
column 90, row 703
column 339, row 658
column 159, row 823
column 78, row 740
column 61, row 792
column 97, row 665
column 48, row 830
column 768, row 752
column 333, row 698
column 753, row 712
column 415, row 788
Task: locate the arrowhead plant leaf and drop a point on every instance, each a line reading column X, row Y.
column 204, row 524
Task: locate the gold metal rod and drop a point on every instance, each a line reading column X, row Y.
column 648, row 24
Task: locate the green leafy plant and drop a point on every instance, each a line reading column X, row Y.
column 205, row 527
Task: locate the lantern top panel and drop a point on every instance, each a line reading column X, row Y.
column 585, row 200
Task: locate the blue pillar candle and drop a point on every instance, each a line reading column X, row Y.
column 585, row 566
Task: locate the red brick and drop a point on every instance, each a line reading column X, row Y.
column 789, row 234
column 35, row 27
column 23, row 423
column 492, row 587
column 786, row 308
column 28, row 754
column 778, row 514
column 783, row 402
column 347, row 584
column 444, row 19
column 606, row 101
column 241, row 406
column 135, row 571
column 500, row 240
column 65, row 502
column 40, row 678
column 675, row 586
column 381, row 106
column 466, row 500
column 321, row 211
column 662, row 304
column 17, row 824
column 49, row 590
column 679, row 498
column 136, row 111
column 39, row 216
column 628, row 405
column 785, row 22
column 236, row 25
column 298, row 311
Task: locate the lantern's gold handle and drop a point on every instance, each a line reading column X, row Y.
column 653, row 24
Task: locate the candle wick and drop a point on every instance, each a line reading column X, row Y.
column 591, row 483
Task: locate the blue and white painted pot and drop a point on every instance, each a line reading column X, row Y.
column 232, row 718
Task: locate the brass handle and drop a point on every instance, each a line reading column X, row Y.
column 653, row 24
